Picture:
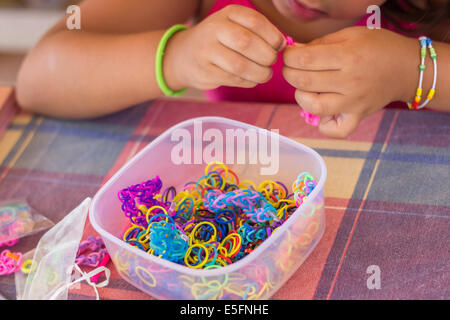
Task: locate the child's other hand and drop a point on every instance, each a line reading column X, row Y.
column 233, row 47
column 350, row 74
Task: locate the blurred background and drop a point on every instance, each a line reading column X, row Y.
column 22, row 23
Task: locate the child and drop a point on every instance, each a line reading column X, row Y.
column 338, row 69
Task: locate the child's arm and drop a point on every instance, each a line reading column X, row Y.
column 359, row 71
column 103, row 67
column 108, row 65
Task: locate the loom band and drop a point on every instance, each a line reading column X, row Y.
column 315, row 225
column 188, row 256
column 194, row 230
column 218, row 164
column 166, row 193
column 236, row 178
column 247, row 291
column 282, row 185
column 226, row 213
column 187, row 185
column 189, row 206
column 262, row 188
column 132, row 232
column 304, row 239
column 251, row 185
column 10, row 214
column 164, row 214
column 199, row 185
column 145, row 276
column 234, row 288
column 209, row 214
column 161, row 215
column 52, row 277
column 136, row 244
column 208, row 294
column 223, row 259
column 301, row 176
column 214, row 249
column 213, row 175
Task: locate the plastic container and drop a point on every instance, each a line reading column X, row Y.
column 258, row 275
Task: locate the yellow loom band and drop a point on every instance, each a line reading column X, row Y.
column 27, row 266
column 201, row 285
column 124, row 237
column 153, row 208
column 222, row 251
column 219, row 164
column 153, row 284
column 258, row 295
column 187, row 281
column 265, row 183
column 314, row 223
column 188, row 255
column 308, row 240
column 213, row 237
column 53, row 277
column 251, row 183
column 141, row 209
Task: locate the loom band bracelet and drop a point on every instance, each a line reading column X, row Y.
column 432, row 91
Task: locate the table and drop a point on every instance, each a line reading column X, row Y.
column 387, row 195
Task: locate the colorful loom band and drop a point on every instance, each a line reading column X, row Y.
column 424, row 43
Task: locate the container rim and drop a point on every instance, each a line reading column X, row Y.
column 240, row 263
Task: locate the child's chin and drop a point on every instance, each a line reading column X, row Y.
column 284, row 8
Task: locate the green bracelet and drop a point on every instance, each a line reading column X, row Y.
column 159, row 61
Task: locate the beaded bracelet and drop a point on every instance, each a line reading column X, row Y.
column 159, row 61
column 424, row 43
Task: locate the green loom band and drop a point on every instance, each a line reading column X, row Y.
column 159, row 61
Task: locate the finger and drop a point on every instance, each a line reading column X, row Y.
column 313, row 81
column 225, row 78
column 314, row 57
column 320, row 104
column 339, row 126
column 258, row 24
column 238, row 65
column 247, row 43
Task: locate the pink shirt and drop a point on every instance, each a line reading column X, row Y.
column 276, row 90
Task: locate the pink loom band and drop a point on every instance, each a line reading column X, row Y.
column 309, row 118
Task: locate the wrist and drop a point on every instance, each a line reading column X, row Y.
column 409, row 62
column 172, row 68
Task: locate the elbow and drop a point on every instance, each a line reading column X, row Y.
column 27, row 88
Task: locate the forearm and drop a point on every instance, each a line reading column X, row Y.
column 82, row 74
column 441, row 100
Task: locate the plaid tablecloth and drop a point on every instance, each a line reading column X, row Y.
column 387, row 192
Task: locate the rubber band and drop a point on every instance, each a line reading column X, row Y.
column 147, row 273
column 213, row 222
column 160, row 51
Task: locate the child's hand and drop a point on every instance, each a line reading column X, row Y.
column 233, row 47
column 357, row 71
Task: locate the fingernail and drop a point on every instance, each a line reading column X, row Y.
column 283, row 45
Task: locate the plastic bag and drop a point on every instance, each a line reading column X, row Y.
column 18, row 219
column 53, row 261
